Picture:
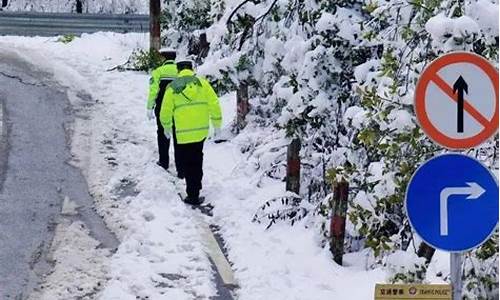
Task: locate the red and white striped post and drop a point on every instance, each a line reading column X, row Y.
column 154, row 25
column 243, row 107
column 338, row 219
column 293, row 167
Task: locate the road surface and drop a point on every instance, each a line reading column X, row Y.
column 35, row 175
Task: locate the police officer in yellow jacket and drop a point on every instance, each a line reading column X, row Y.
column 160, row 78
column 193, row 104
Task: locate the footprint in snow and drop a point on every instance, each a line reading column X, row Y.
column 148, row 216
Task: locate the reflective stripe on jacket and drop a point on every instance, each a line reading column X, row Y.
column 160, row 78
column 193, row 103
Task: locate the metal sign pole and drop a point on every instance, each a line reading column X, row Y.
column 456, row 275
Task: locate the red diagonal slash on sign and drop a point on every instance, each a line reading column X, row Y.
column 467, row 106
column 431, row 74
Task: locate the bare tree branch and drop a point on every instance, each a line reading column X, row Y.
column 228, row 22
column 267, row 12
column 250, row 27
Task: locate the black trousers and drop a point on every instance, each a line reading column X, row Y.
column 164, row 143
column 191, row 159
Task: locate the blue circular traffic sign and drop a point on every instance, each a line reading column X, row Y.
column 452, row 202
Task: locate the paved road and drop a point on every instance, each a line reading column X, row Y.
column 34, row 175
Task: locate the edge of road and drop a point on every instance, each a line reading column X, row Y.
column 47, row 279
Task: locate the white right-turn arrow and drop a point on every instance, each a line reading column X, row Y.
column 473, row 190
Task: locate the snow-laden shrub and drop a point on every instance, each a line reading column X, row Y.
column 182, row 19
column 406, row 267
column 144, row 60
column 481, row 271
column 66, row 39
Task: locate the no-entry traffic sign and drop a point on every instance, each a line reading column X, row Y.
column 456, row 100
column 452, row 202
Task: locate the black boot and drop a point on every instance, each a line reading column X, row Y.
column 193, row 200
column 162, row 165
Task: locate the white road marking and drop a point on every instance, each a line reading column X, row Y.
column 69, row 208
column 213, row 250
column 1, row 120
column 216, row 254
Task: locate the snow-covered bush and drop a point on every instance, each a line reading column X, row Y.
column 481, row 271
column 144, row 60
column 67, row 38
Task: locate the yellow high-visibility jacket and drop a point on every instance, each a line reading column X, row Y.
column 193, row 104
column 160, row 78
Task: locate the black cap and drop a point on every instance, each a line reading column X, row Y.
column 168, row 53
column 185, row 64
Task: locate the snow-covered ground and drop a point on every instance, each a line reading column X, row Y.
column 162, row 254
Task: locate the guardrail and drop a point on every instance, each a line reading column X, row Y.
column 51, row 24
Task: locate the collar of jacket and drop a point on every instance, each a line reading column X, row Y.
column 169, row 62
column 186, row 72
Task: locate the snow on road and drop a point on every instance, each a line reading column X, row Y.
column 162, row 255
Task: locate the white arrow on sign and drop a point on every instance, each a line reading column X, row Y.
column 473, row 190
